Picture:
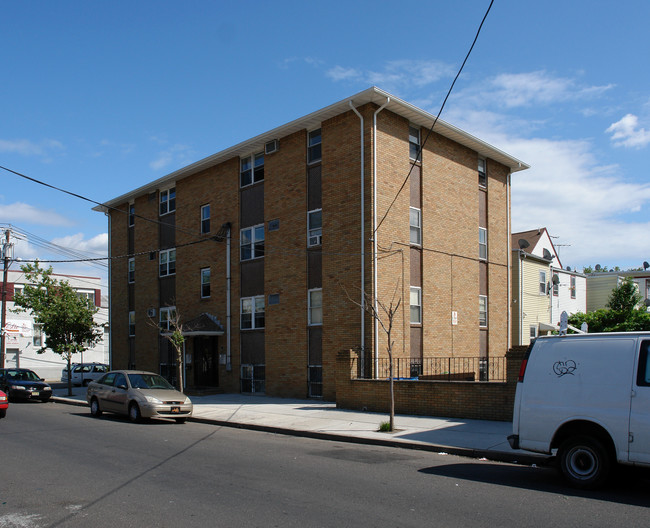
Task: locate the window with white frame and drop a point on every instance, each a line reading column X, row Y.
column 315, row 303
column 482, row 310
column 542, row 282
column 556, row 284
column 533, row 331
column 131, row 323
column 314, row 151
column 416, row 305
column 573, row 287
column 37, row 338
column 131, row 215
column 88, row 295
column 205, row 282
column 251, row 242
column 167, row 314
column 131, row 269
column 482, row 173
column 414, row 143
column 205, row 219
column 167, row 262
column 415, row 222
column 251, row 169
column 167, row 201
column 482, row 243
column 252, row 312
column 315, row 227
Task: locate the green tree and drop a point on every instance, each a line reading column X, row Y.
column 66, row 318
column 622, row 314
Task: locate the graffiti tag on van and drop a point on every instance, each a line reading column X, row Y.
column 561, row 368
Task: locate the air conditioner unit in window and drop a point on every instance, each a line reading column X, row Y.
column 316, row 240
column 271, row 147
column 151, row 312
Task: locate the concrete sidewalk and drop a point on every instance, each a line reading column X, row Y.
column 317, row 419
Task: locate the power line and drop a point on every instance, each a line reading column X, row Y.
column 419, row 153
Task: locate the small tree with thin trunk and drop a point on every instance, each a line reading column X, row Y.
column 174, row 335
column 65, row 317
column 384, row 314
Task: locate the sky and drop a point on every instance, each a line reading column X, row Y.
column 99, row 98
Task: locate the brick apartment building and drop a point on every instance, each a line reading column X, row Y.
column 264, row 250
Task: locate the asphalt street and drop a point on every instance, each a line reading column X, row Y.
column 61, row 467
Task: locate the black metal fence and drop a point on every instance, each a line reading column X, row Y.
column 435, row 368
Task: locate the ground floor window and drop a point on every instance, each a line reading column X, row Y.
column 253, row 378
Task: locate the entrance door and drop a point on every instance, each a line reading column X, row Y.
column 12, row 358
column 640, row 409
column 206, row 361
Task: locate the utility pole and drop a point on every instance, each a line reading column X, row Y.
column 6, row 249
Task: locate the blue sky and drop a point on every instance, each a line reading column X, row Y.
column 102, row 97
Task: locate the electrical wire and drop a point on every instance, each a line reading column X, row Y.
column 419, row 153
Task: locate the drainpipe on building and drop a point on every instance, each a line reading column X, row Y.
column 509, row 260
column 228, row 311
column 374, row 236
column 362, row 359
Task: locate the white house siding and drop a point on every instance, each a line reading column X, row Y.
column 20, row 348
column 563, row 300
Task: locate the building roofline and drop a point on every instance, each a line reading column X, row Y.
column 371, row 95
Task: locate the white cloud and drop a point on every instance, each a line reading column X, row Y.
column 22, row 213
column 626, row 132
column 97, row 245
column 25, row 147
column 175, row 154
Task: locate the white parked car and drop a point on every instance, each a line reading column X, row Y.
column 586, row 397
column 84, row 373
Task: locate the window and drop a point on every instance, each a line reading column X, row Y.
column 482, row 174
column 315, row 302
column 482, row 310
column 131, row 323
column 542, row 283
column 131, row 269
column 416, row 305
column 315, row 227
column 573, row 287
column 251, row 242
column 88, row 296
column 314, row 146
column 415, row 221
column 131, row 215
column 482, row 243
column 167, row 262
column 556, row 284
column 533, row 331
column 414, row 143
column 252, row 170
column 205, row 282
column 643, row 374
column 167, row 201
column 205, row 219
column 37, row 339
column 167, row 314
column 252, row 312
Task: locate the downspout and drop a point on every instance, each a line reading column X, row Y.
column 110, row 297
column 521, row 297
column 363, row 251
column 509, row 260
column 374, row 236
column 228, row 310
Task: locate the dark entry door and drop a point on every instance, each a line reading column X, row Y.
column 206, row 364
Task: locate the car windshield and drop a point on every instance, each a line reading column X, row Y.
column 22, row 375
column 149, row 381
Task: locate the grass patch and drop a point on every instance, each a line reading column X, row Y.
column 384, row 427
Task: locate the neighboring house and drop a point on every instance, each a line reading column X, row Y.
column 541, row 288
column 601, row 284
column 264, row 251
column 24, row 336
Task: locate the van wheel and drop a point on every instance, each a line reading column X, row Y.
column 585, row 462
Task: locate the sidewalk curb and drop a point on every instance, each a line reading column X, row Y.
column 494, row 456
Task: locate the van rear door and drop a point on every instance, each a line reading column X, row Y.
column 639, row 447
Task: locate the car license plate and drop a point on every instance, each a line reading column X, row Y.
column 36, row 393
column 176, row 410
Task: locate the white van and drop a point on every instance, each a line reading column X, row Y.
column 588, row 397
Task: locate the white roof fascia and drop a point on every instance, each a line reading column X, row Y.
column 313, row 120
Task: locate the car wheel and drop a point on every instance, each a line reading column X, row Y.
column 134, row 413
column 585, row 462
column 94, row 408
column 3, row 413
column 180, row 420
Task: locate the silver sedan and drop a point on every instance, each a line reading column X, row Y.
column 138, row 395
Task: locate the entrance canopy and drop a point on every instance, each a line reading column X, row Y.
column 204, row 325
